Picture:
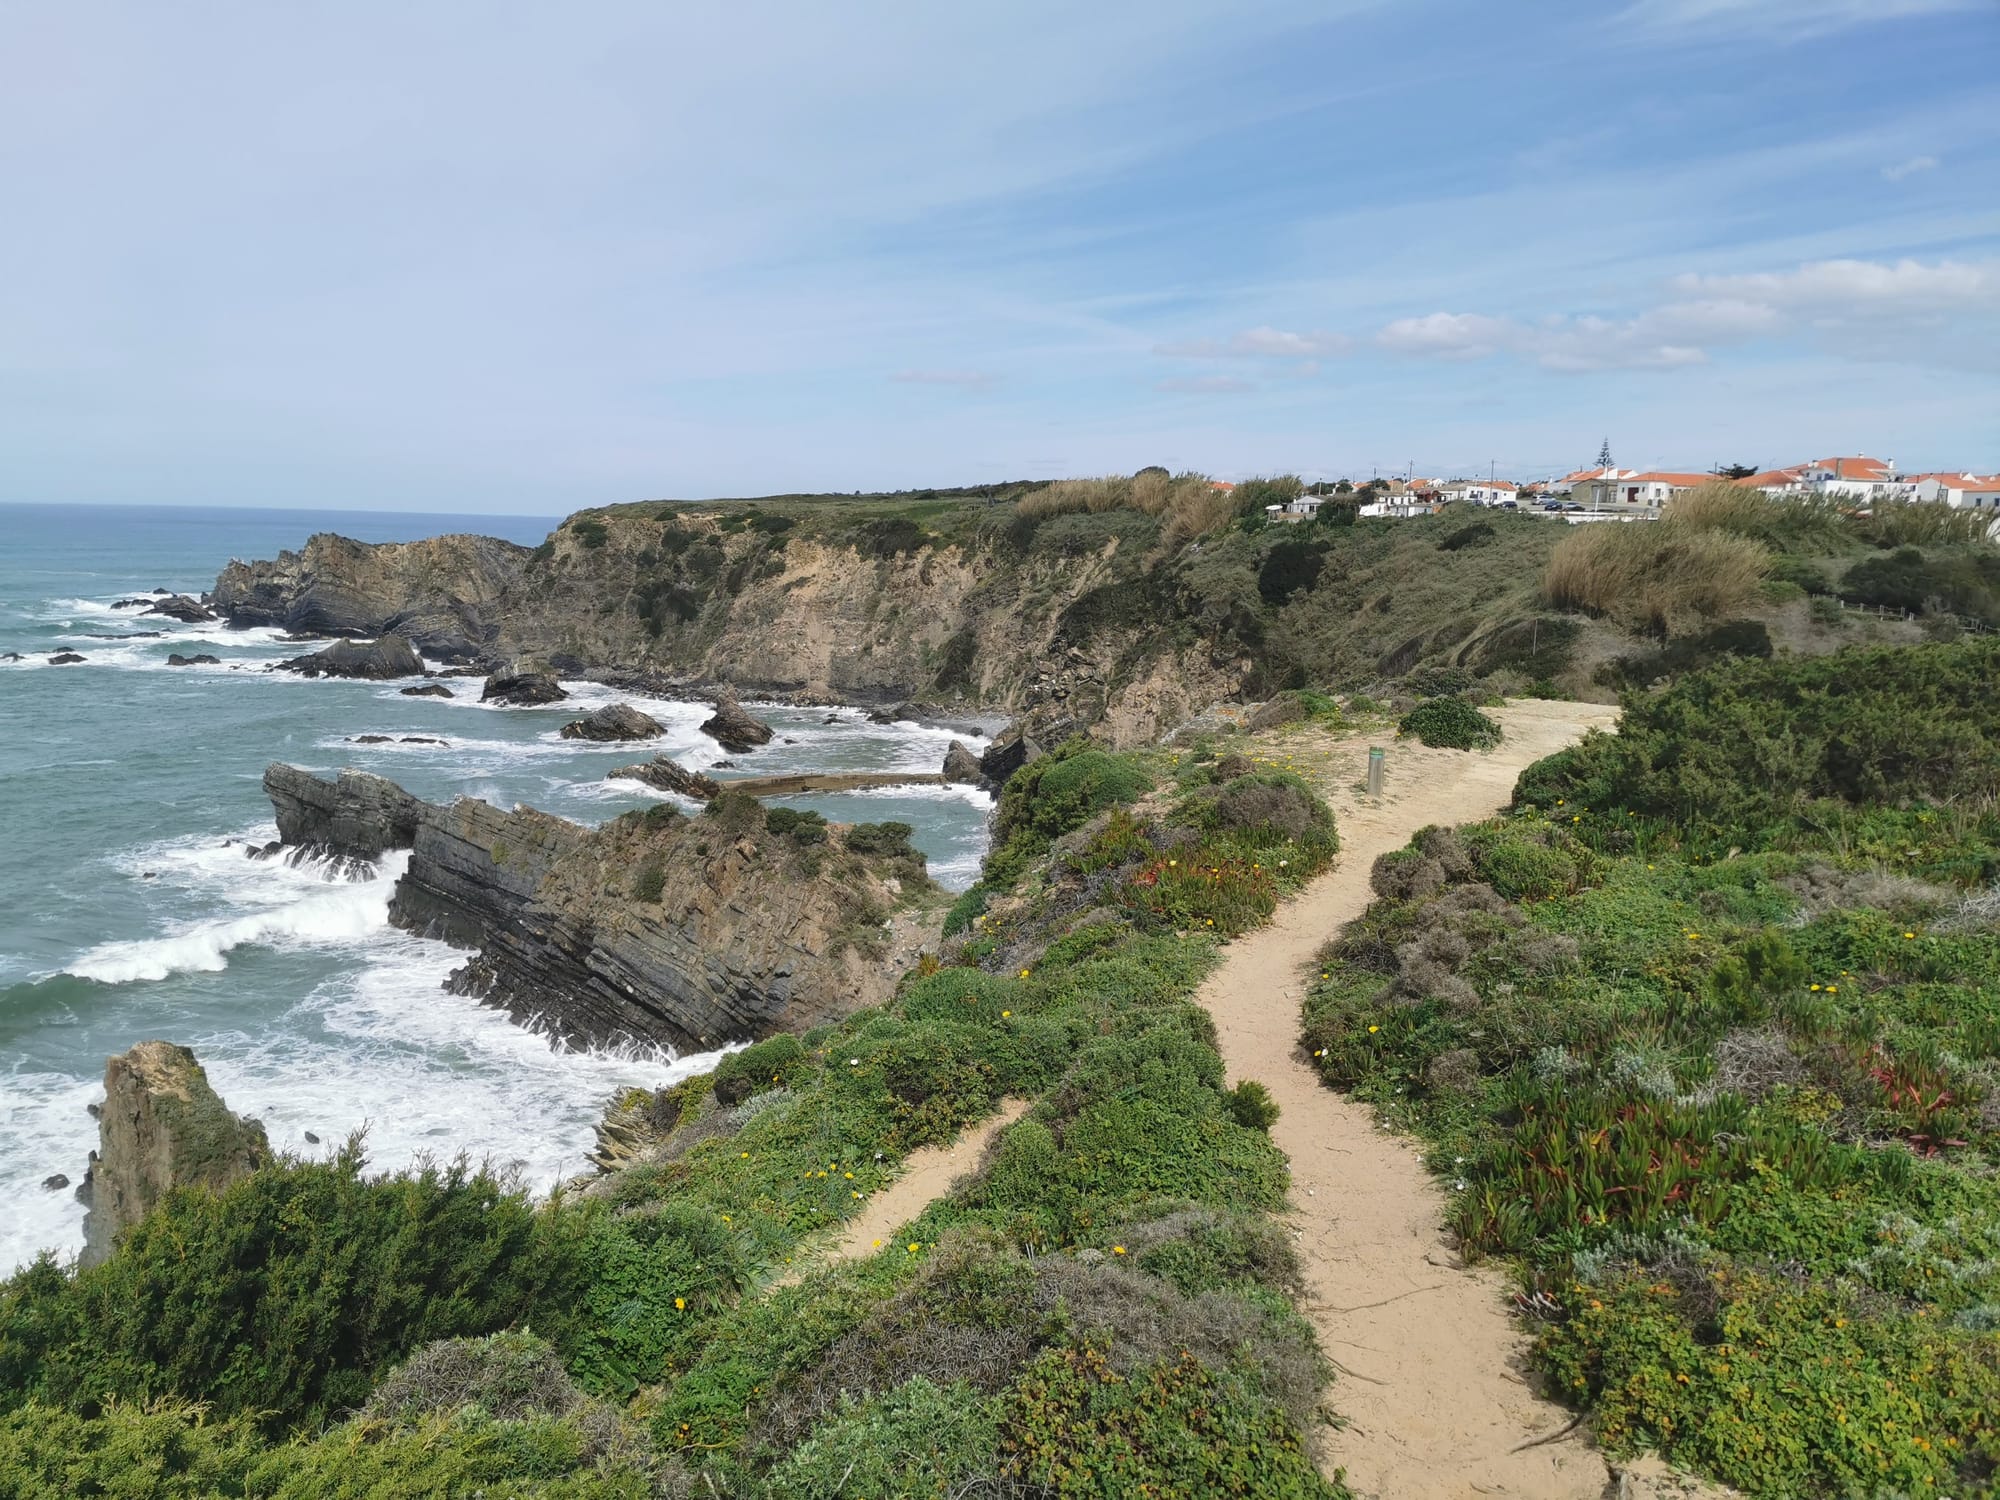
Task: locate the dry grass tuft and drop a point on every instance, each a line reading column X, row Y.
column 1187, row 503
column 1789, row 523
column 1920, row 523
column 1664, row 576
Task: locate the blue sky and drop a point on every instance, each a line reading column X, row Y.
column 520, row 257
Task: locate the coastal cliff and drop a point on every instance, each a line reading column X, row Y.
column 1062, row 630
column 657, row 927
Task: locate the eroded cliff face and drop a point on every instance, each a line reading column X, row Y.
column 657, row 927
column 1082, row 635
column 441, row 594
column 162, row 1127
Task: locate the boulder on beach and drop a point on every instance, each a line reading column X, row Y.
column 162, row 1127
column 522, row 686
column 199, row 659
column 428, row 690
column 670, row 776
column 1283, row 709
column 734, row 729
column 373, row 661
column 961, row 766
column 181, row 607
column 66, row 659
column 619, row 721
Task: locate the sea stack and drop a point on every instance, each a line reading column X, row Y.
column 733, row 728
column 162, row 1126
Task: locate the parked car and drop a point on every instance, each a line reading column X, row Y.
column 1572, row 505
column 1509, row 505
column 1552, row 505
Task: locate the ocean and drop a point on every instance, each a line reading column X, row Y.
column 129, row 791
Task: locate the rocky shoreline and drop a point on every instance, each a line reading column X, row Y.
column 657, row 928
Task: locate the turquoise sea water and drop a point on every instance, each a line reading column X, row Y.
column 128, row 908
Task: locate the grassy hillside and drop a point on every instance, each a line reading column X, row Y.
column 1106, row 1310
column 1705, row 1036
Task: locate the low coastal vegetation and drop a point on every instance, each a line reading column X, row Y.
column 1704, row 1037
column 1105, row 1308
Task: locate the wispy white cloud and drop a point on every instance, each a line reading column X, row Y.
column 1777, row 20
column 1707, row 312
column 1205, row 385
column 1261, row 343
column 964, row 380
column 1910, row 168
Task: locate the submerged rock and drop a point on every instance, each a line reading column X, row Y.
column 733, row 728
column 428, row 690
column 181, row 607
column 962, row 766
column 373, row 661
column 66, row 659
column 162, row 1127
column 199, row 659
column 620, row 721
column 525, row 687
column 55, row 1182
column 670, row 776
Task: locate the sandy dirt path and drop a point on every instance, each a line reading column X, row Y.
column 1433, row 1386
column 928, row 1172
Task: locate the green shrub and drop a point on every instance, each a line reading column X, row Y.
column 1966, row 583
column 649, row 881
column 801, row 825
column 969, row 907
column 1078, row 1427
column 285, row 1294
column 590, row 531
column 1064, row 789
column 1450, row 724
column 1740, row 752
column 918, row 1439
column 1438, row 682
column 887, row 839
column 1251, row 1106
column 760, row 1066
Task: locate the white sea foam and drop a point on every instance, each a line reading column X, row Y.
column 337, row 913
column 44, row 1118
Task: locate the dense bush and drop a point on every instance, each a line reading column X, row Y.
column 1966, row 583
column 1064, row 789
column 1741, row 752
column 1450, row 724
column 284, row 1295
column 801, row 825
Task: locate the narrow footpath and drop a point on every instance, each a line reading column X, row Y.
column 1431, row 1380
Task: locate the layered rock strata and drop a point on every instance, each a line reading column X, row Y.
column 688, row 932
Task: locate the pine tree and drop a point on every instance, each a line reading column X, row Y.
column 1604, row 455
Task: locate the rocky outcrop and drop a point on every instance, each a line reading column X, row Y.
column 180, row 607
column 376, row 661
column 961, row 766
column 161, row 1127
column 1283, row 709
column 199, row 659
column 442, row 594
column 668, row 929
column 428, row 690
column 66, row 659
column 359, row 816
column 733, row 728
column 670, row 775
column 522, row 686
column 619, row 721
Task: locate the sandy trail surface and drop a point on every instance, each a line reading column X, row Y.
column 928, row 1172
column 1432, row 1382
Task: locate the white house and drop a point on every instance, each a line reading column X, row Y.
column 1480, row 491
column 1960, row 491
column 1857, row 478
column 1655, row 486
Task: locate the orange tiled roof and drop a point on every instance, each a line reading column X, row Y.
column 1660, row 476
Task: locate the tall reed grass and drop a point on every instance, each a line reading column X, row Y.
column 1664, row 576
